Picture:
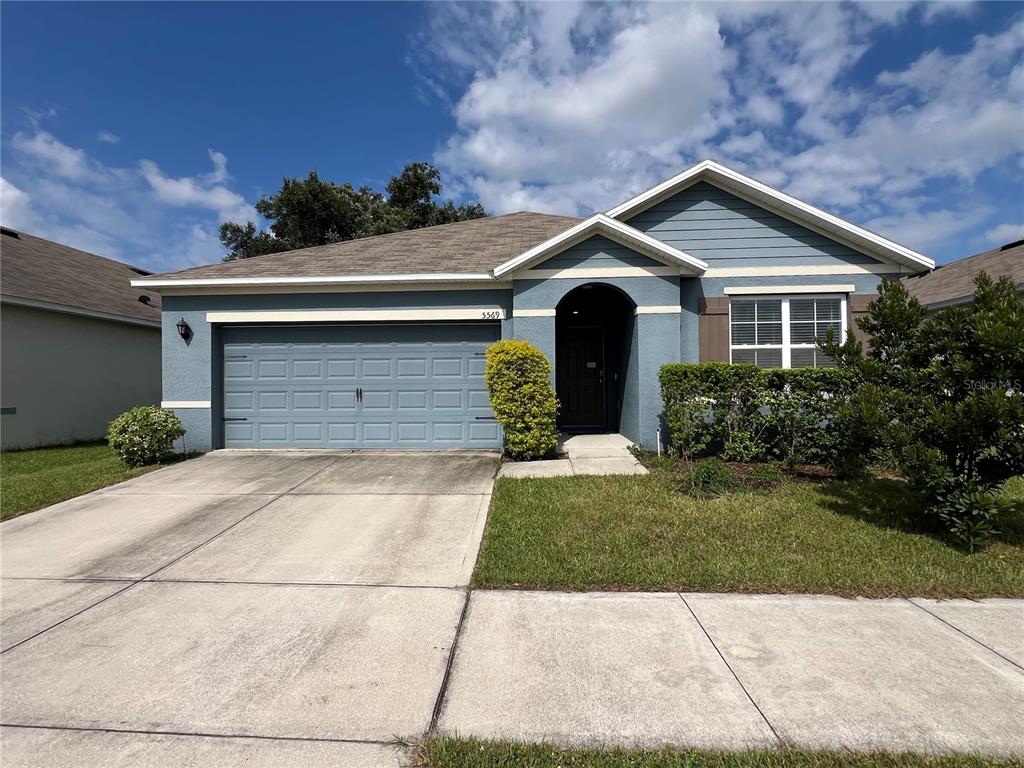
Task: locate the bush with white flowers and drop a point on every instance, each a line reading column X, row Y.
column 144, row 435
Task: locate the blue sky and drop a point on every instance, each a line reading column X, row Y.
column 133, row 130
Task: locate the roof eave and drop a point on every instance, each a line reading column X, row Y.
column 790, row 207
column 312, row 282
column 615, row 230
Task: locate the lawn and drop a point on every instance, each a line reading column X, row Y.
column 33, row 479
column 640, row 533
column 446, row 752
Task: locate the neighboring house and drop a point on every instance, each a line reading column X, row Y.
column 379, row 342
column 79, row 345
column 953, row 283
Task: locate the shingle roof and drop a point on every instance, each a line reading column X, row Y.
column 477, row 246
column 38, row 270
column 954, row 282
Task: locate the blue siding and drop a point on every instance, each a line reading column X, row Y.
column 597, row 252
column 715, row 286
column 727, row 231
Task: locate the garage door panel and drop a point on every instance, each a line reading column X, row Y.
column 421, row 386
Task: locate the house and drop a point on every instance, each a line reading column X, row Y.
column 379, row 342
column 79, row 344
column 953, row 283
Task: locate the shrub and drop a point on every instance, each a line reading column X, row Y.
column 144, row 435
column 708, row 477
column 748, row 414
column 941, row 394
column 518, row 377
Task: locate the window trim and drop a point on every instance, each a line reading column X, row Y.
column 787, row 346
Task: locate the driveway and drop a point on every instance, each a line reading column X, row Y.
column 242, row 608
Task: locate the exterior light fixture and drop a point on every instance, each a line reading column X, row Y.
column 184, row 330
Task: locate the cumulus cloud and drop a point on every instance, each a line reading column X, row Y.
column 1005, row 233
column 574, row 107
column 138, row 214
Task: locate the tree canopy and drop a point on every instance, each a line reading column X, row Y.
column 311, row 211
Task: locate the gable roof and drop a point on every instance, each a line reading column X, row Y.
column 41, row 273
column 778, row 202
column 953, row 283
column 599, row 224
column 465, row 250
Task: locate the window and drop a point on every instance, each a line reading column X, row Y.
column 779, row 331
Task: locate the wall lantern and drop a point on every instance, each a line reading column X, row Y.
column 184, row 330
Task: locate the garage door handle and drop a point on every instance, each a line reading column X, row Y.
column 359, row 394
column 227, row 418
column 486, row 418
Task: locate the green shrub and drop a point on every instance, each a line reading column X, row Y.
column 766, row 475
column 940, row 393
column 144, row 435
column 708, row 477
column 518, row 377
column 748, row 414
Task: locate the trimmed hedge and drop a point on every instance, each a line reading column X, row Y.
column 518, row 377
column 745, row 413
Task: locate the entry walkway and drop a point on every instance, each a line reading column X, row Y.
column 583, row 455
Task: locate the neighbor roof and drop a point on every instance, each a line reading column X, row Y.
column 463, row 250
column 954, row 282
column 38, row 272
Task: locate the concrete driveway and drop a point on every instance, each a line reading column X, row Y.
column 242, row 608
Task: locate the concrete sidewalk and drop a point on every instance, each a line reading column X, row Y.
column 604, row 454
column 740, row 671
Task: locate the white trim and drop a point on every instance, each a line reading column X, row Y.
column 790, row 207
column 771, row 290
column 533, row 313
column 361, row 288
column 592, row 272
column 787, row 346
column 830, row 269
column 615, row 230
column 668, row 309
column 431, row 277
column 186, row 404
column 92, row 313
column 355, row 315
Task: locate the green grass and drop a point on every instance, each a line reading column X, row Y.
column 639, row 533
column 447, row 752
column 37, row 478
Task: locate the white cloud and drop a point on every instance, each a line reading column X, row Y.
column 107, row 137
column 1005, row 233
column 54, row 157
column 572, row 109
column 201, row 191
column 138, row 214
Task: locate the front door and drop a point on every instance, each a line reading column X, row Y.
column 579, row 376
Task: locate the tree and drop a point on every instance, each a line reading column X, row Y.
column 941, row 394
column 309, row 212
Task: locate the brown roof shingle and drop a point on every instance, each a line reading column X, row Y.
column 477, row 245
column 954, row 282
column 34, row 269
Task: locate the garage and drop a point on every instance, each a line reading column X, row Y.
column 358, row 386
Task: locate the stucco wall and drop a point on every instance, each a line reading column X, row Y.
column 67, row 375
column 192, row 372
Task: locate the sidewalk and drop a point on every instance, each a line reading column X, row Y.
column 604, row 454
column 739, row 671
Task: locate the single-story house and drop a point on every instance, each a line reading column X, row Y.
column 79, row 343
column 953, row 283
column 379, row 342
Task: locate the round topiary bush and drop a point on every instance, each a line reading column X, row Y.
column 144, row 435
column 518, row 377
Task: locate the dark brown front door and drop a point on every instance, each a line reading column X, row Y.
column 579, row 376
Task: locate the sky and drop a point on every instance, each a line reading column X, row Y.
column 134, row 130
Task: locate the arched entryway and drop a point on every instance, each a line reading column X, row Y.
column 594, row 337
